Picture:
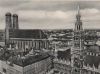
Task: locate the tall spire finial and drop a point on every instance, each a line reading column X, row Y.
column 78, row 16
column 78, row 24
column 78, row 9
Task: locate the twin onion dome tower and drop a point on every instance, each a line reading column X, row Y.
column 11, row 21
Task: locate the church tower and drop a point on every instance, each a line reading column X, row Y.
column 78, row 24
column 8, row 20
column 78, row 43
column 15, row 21
column 78, row 32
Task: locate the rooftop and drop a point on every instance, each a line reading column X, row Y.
column 23, row 60
column 91, row 59
column 93, row 48
column 66, row 55
column 27, row 33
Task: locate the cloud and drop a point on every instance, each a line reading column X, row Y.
column 91, row 14
column 51, row 14
column 46, row 14
column 47, row 5
column 11, row 3
column 46, row 19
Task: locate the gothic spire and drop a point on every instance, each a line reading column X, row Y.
column 78, row 10
column 78, row 24
column 78, row 13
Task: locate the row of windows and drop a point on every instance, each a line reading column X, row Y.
column 34, row 44
column 39, row 67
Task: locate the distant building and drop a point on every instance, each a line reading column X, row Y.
column 23, row 38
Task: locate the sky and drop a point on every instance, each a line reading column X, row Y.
column 51, row 14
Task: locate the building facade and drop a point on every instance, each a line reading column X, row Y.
column 40, row 65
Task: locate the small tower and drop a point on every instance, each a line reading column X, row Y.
column 15, row 21
column 8, row 20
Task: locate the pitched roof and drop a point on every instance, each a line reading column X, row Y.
column 28, row 60
column 27, row 33
column 25, row 60
column 92, row 59
column 66, row 55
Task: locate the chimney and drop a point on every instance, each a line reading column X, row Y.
column 15, row 21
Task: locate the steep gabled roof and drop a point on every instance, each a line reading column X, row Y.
column 27, row 33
